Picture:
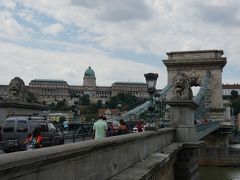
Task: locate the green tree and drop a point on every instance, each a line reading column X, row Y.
column 126, row 100
column 99, row 104
column 61, row 119
column 61, row 105
column 234, row 94
column 52, row 106
column 235, row 101
column 84, row 100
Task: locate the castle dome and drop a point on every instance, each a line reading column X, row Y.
column 89, row 72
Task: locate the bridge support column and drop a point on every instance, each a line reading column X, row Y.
column 186, row 166
column 182, row 119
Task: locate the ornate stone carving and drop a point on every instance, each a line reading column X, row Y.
column 181, row 89
column 194, row 78
column 17, row 91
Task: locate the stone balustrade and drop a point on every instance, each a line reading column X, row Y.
column 84, row 160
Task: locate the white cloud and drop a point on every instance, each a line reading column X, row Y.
column 10, row 28
column 160, row 25
column 53, row 29
column 9, row 4
column 29, row 64
column 115, row 11
column 26, row 14
column 138, row 26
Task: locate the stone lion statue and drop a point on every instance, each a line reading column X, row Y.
column 17, row 91
column 181, row 89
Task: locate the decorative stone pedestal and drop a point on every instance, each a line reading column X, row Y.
column 182, row 118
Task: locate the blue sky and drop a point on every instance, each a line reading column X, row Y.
column 120, row 40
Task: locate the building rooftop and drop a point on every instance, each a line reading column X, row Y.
column 231, row 86
column 128, row 83
column 47, row 81
column 89, row 72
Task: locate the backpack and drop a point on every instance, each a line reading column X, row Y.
column 31, row 144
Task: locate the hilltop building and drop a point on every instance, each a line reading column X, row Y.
column 228, row 88
column 50, row 90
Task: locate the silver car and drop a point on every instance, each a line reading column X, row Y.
column 16, row 129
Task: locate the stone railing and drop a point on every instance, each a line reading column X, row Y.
column 92, row 159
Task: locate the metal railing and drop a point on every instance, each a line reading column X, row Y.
column 144, row 107
column 200, row 98
column 203, row 89
column 206, row 128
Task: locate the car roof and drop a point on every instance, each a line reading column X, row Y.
column 26, row 118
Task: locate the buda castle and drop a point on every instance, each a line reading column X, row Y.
column 49, row 90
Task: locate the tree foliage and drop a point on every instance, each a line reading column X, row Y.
column 61, row 106
column 234, row 94
column 99, row 104
column 61, row 119
column 235, row 101
column 121, row 100
column 84, row 100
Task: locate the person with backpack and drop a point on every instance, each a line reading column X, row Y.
column 29, row 142
column 34, row 139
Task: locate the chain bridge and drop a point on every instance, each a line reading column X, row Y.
column 204, row 69
column 170, row 153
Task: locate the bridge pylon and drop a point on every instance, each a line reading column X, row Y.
column 195, row 64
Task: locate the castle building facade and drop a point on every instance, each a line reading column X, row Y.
column 228, row 88
column 50, row 90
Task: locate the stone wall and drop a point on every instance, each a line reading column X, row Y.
column 215, row 156
column 218, row 151
column 84, row 160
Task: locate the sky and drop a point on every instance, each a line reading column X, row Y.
column 120, row 39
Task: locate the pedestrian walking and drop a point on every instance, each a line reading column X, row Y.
column 122, row 127
column 100, row 128
column 139, row 126
column 65, row 125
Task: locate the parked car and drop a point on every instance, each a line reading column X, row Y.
column 16, row 129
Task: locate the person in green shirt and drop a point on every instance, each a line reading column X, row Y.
column 100, row 128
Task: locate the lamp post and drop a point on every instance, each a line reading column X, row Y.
column 151, row 79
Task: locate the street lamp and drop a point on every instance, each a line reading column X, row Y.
column 151, row 79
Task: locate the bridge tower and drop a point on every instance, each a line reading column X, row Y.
column 195, row 64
